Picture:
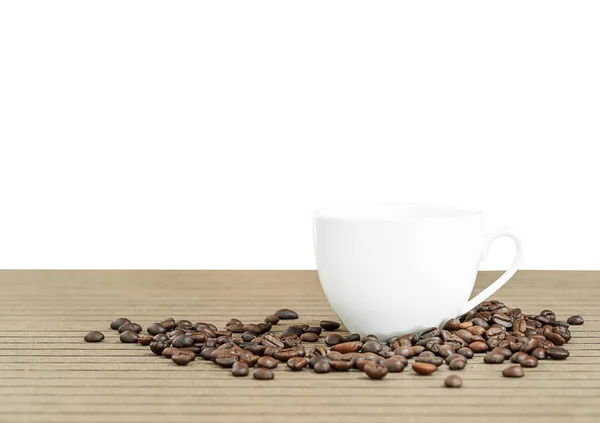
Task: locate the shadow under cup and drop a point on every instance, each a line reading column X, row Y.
column 392, row 269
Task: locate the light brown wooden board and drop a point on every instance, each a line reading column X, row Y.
column 49, row 374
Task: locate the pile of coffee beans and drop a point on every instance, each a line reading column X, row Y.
column 500, row 333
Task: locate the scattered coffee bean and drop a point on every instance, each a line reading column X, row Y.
column 424, row 368
column 458, row 364
column 453, row 381
column 129, row 337
column 329, row 325
column 181, row 358
column 322, row 366
column 371, row 346
column 539, row 353
column 575, row 320
column 117, row 323
column 94, row 336
column 272, row 319
column 130, row 326
column 155, row 329
column 513, row 371
column 394, row 365
column 494, row 358
column 341, row 365
column 262, row 373
column 286, row 314
column 375, row 370
column 479, row 346
column 145, row 340
column 557, row 353
column 267, row 362
column 297, row 363
column 347, row 347
column 528, row 361
column 309, row 337
column 240, row 368
column 466, row 352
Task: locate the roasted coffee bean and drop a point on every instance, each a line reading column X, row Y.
column 445, row 351
column 309, row 337
column 493, row 358
column 295, row 330
column 480, row 322
column 466, row 352
column 347, row 347
column 297, row 363
column 451, row 357
column 161, row 337
column 240, row 368
column 226, row 360
column 530, row 346
column 134, row 327
column 144, row 340
column 352, row 337
column 528, row 361
column 517, row 356
column 329, row 325
column 557, row 353
column 575, row 320
column 417, row 349
column 539, row 353
column 93, row 336
column 270, row 351
column 437, row 361
column 168, row 324
column 466, row 324
column 369, row 338
column 272, row 341
column 476, row 330
column 157, row 347
column 375, row 370
column 334, row 339
column 181, row 358
column 287, row 353
column 543, row 320
column 286, row 314
column 465, row 335
column 182, row 341
column 315, row 329
column 513, row 371
column 371, row 346
column 494, row 331
column 250, row 360
column 424, row 368
column 428, row 333
column 429, row 341
column 267, row 362
column 452, row 325
column 322, row 366
column 453, row 381
column 504, row 351
column 290, row 340
column 319, row 350
column 341, row 365
column 458, row 363
column 255, row 348
column 315, row 359
column 169, row 351
column 503, row 320
column 479, row 346
column 272, row 319
column 404, row 352
column 155, row 329
column 394, row 365
column 236, row 328
column 555, row 338
column 248, row 336
column 117, row 323
column 129, row 337
column 262, row 373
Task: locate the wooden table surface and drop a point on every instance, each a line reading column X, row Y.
column 49, row 374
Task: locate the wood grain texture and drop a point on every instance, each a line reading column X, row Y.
column 49, row 374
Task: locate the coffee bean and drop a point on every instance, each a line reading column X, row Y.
column 417, row 349
column 352, row 337
column 315, row 329
column 225, row 360
column 528, row 361
column 161, row 337
column 130, row 326
column 369, row 337
column 272, row 341
column 287, row 353
column 262, row 373
column 458, row 363
column 295, row 330
column 272, row 319
column 117, row 323
column 445, row 351
column 504, row 351
column 480, row 322
column 430, row 332
column 297, row 363
column 530, row 346
column 248, row 336
column 267, row 362
column 333, row 339
column 286, row 314
column 270, row 351
column 437, row 361
column 309, row 337
column 479, row 346
column 240, row 368
column 539, row 353
column 94, row 336
column 329, row 325
column 555, row 338
column 207, row 352
column 452, row 325
column 404, row 352
column 129, row 337
column 424, row 368
column 557, row 353
column 157, row 347
column 181, row 358
column 371, row 346
column 453, row 381
column 155, row 329
column 319, row 350
column 322, row 366
column 168, row 324
column 394, row 365
column 513, row 371
column 341, row 365
column 144, row 340
column 451, row 357
column 575, row 320
column 465, row 335
column 182, row 341
column 466, row 352
column 375, row 370
column 493, row 358
column 346, row 347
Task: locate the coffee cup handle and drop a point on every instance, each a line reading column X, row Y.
column 509, row 273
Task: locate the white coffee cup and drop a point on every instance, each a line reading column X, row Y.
column 391, row 269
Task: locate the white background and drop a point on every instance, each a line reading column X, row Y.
column 203, row 134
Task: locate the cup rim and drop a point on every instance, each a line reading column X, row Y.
column 392, row 212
